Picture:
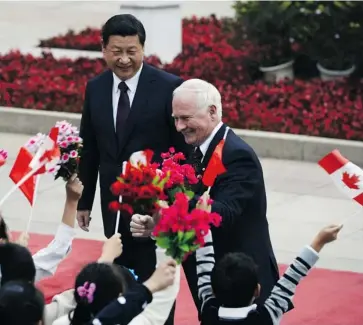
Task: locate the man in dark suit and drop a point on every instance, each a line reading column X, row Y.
column 126, row 109
column 238, row 195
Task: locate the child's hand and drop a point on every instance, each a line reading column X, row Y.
column 23, row 239
column 204, row 202
column 325, row 236
column 112, row 248
column 74, row 188
column 163, row 276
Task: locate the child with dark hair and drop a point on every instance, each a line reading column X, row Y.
column 21, row 304
column 47, row 259
column 16, row 263
column 102, row 286
column 228, row 290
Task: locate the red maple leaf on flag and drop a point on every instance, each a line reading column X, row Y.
column 351, row 180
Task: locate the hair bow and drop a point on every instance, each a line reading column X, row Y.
column 87, row 291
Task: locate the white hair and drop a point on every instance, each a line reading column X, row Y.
column 206, row 94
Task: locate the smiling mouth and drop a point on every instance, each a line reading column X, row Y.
column 123, row 68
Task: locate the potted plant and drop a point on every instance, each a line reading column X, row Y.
column 267, row 24
column 328, row 32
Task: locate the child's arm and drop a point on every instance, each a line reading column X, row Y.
column 158, row 311
column 47, row 259
column 205, row 258
column 283, row 292
column 205, row 265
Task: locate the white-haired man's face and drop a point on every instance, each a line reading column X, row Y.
column 195, row 124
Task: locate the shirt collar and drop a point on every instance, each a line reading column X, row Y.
column 235, row 313
column 204, row 146
column 131, row 83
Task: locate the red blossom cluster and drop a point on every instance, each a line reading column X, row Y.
column 140, row 188
column 181, row 231
column 329, row 109
column 181, row 175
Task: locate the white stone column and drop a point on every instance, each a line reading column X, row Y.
column 163, row 25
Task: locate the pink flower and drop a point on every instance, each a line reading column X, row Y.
column 73, row 154
column 63, row 144
column 3, row 157
column 65, row 158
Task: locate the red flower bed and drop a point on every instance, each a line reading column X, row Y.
column 330, row 109
column 206, row 52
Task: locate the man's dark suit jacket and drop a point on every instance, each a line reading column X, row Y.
column 149, row 126
column 240, row 198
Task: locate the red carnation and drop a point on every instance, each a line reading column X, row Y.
column 127, row 208
column 114, row 206
column 116, row 188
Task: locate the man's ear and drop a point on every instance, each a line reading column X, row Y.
column 213, row 111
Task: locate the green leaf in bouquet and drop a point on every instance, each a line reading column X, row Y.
column 180, row 236
column 120, row 179
column 188, row 236
column 156, row 180
column 162, row 183
column 163, row 242
column 185, row 248
column 189, row 194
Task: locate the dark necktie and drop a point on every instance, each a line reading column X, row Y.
column 123, row 110
column 196, row 160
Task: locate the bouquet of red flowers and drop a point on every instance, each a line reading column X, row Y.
column 182, row 232
column 140, row 185
column 181, row 175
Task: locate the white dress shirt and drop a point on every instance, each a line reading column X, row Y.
column 47, row 259
column 131, row 84
column 205, row 145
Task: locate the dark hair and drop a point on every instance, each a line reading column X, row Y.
column 3, row 229
column 16, row 263
column 123, row 25
column 234, row 280
column 21, row 304
column 109, row 282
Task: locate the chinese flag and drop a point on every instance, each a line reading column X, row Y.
column 20, row 169
column 215, row 166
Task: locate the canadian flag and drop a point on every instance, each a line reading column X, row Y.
column 143, row 158
column 347, row 176
column 26, row 163
column 20, row 169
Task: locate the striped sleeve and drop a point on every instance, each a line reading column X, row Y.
column 283, row 292
column 205, row 265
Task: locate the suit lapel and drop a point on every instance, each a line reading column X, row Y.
column 107, row 110
column 139, row 103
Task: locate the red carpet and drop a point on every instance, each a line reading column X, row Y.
column 324, row 297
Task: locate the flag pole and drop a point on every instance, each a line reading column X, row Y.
column 208, row 190
column 120, row 200
column 37, row 179
column 21, row 182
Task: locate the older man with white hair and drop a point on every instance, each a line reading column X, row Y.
column 238, row 195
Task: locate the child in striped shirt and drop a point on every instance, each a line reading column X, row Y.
column 227, row 290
